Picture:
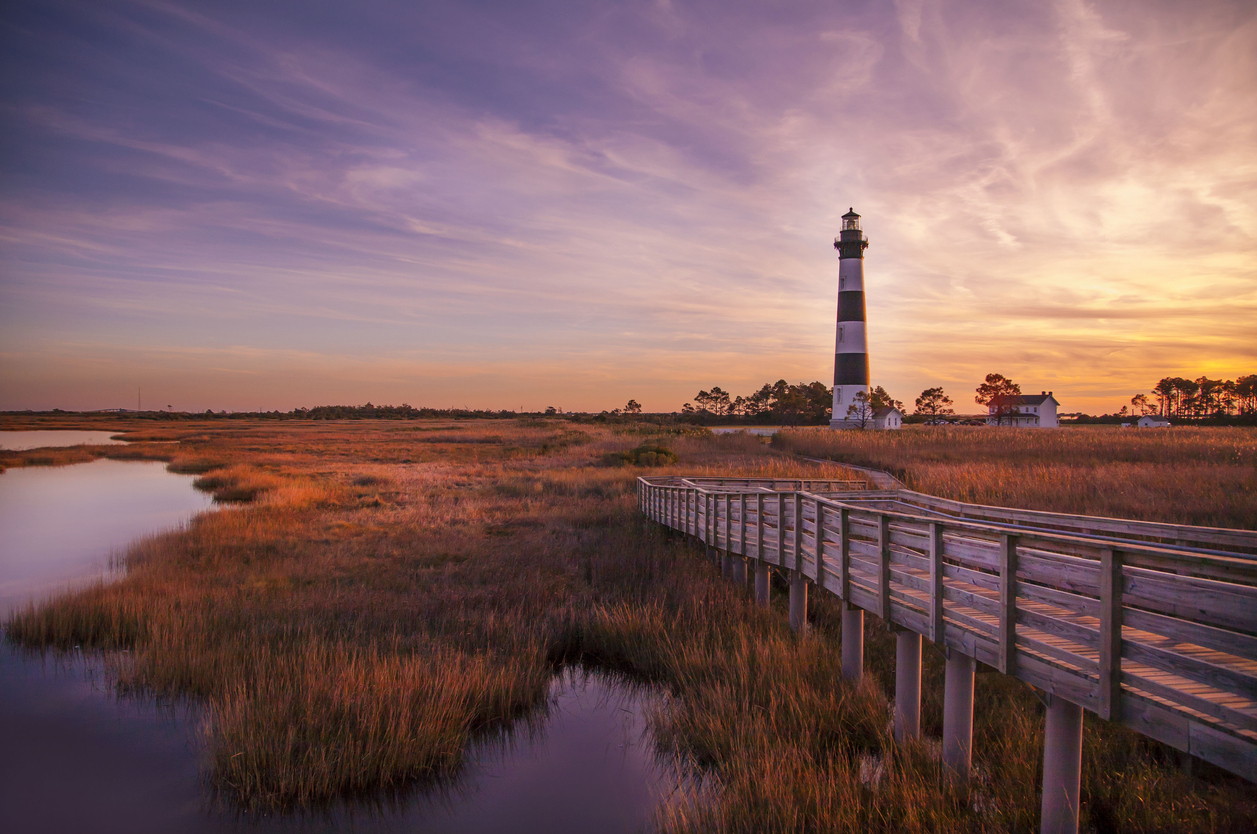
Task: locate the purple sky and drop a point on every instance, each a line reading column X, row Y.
column 250, row 205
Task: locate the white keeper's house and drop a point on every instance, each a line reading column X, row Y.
column 888, row 419
column 1036, row 411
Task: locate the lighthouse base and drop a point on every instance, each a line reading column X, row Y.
column 851, row 424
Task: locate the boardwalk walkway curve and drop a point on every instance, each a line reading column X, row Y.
column 1150, row 625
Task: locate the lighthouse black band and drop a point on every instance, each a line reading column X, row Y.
column 851, row 369
column 851, row 305
column 851, row 248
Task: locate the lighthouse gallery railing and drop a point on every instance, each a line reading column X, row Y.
column 1150, row 625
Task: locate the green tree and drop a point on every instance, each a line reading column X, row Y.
column 999, row 394
column 1228, row 397
column 1186, row 392
column 820, row 401
column 1164, row 392
column 1246, row 393
column 1215, row 396
column 801, row 404
column 633, row 407
column 879, row 398
column 933, row 403
column 715, row 401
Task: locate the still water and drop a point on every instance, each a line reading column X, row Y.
column 20, row 441
column 75, row 757
column 60, row 524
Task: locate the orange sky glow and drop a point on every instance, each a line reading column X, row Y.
column 527, row 206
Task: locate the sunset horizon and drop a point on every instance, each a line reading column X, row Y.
column 516, row 207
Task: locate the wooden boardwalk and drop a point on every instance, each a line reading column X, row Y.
column 1150, row 625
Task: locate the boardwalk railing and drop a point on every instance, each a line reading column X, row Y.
column 1150, row 625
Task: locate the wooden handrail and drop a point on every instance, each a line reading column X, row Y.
column 1158, row 636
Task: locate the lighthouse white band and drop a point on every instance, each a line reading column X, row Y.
column 850, row 275
column 851, row 338
column 844, row 396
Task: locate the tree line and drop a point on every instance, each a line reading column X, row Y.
column 812, row 403
column 802, row 403
column 806, row 403
column 780, row 402
column 1201, row 397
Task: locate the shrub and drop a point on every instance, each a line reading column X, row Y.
column 644, row 455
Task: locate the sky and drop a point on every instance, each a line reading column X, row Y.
column 243, row 205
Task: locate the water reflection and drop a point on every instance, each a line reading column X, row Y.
column 20, row 441
column 58, row 525
column 76, row 757
column 591, row 766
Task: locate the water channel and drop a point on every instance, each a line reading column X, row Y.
column 19, row 441
column 76, row 757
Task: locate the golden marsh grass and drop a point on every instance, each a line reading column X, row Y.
column 396, row 589
column 1186, row 475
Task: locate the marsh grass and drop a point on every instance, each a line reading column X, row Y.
column 385, row 602
column 1186, row 475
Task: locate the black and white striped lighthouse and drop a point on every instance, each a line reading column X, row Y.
column 851, row 353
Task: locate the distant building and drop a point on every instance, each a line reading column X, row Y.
column 1028, row 411
column 888, row 418
column 1154, row 421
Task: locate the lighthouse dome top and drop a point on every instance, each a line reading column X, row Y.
column 851, row 243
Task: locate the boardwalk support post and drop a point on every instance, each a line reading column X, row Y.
column 907, row 686
column 1062, row 767
column 763, row 583
column 852, row 642
column 798, row 600
column 958, row 715
column 739, row 572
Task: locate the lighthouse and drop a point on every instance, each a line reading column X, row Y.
column 851, row 353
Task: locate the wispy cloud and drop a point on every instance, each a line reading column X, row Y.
column 633, row 201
